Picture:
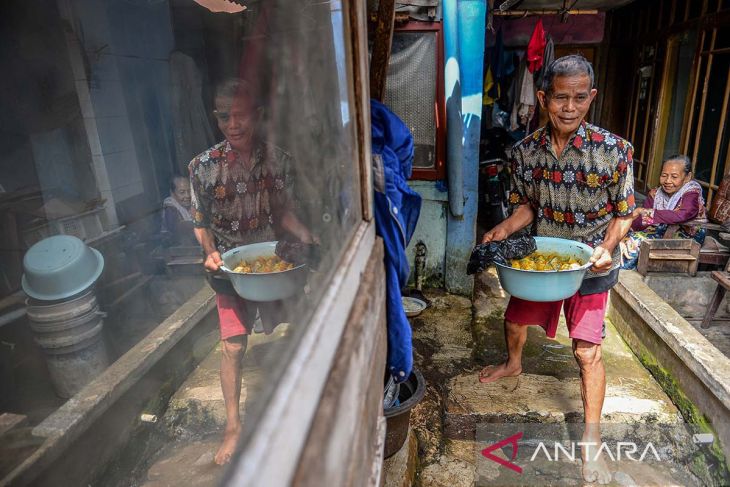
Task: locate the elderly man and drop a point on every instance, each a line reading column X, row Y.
column 240, row 195
column 571, row 180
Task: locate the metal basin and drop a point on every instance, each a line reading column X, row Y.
column 271, row 286
column 547, row 285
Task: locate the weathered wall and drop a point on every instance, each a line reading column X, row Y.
column 431, row 230
column 692, row 374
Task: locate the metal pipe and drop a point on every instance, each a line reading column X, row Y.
column 8, row 318
column 454, row 122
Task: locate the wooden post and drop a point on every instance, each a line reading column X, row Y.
column 381, row 48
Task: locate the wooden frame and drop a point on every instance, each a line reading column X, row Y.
column 692, row 144
column 439, row 169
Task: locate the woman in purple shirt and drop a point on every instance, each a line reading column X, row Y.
column 677, row 201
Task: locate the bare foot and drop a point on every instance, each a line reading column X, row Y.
column 230, row 440
column 490, row 373
column 595, row 469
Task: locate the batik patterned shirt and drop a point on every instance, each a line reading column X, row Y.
column 239, row 206
column 575, row 195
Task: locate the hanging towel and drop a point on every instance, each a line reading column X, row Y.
column 536, row 47
column 397, row 208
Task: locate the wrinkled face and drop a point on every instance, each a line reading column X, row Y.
column 237, row 119
column 182, row 192
column 567, row 103
column 673, row 176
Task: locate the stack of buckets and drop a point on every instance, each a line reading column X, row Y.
column 69, row 333
column 60, row 274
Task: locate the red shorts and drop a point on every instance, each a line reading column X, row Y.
column 583, row 314
column 236, row 316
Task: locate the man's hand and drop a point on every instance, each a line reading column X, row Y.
column 601, row 260
column 213, row 261
column 495, row 234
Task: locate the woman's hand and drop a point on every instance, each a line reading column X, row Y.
column 652, row 192
column 213, row 262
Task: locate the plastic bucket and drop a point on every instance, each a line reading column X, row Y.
column 69, row 333
column 397, row 418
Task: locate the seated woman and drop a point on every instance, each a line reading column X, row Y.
column 677, row 201
column 177, row 223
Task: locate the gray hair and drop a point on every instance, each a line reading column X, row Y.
column 572, row 65
column 680, row 158
column 231, row 88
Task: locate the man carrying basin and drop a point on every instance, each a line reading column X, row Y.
column 570, row 180
column 240, row 195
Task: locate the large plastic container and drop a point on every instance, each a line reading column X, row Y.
column 270, row 286
column 544, row 286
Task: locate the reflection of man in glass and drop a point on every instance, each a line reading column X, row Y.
column 240, row 195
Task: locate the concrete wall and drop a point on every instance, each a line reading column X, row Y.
column 431, row 230
column 690, row 369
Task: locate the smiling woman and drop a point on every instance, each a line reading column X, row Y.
column 678, row 201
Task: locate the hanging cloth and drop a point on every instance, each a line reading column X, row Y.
column 547, row 59
column 536, row 47
column 490, row 87
column 524, row 105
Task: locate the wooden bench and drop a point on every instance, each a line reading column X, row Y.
column 675, row 255
column 723, row 284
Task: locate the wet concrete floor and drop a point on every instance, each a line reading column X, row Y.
column 455, row 338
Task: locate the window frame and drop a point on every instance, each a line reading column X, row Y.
column 439, row 169
column 691, row 142
column 271, row 454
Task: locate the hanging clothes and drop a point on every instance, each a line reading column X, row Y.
column 397, row 208
column 488, row 95
column 523, row 107
column 547, row 59
column 536, row 48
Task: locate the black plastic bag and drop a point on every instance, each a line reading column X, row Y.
column 502, row 251
column 298, row 253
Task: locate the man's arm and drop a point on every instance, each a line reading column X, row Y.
column 617, row 229
column 521, row 217
column 290, row 223
column 212, row 257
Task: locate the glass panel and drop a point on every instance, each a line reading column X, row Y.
column 707, row 41
column 722, row 155
column 685, row 54
column 695, row 9
column 108, row 111
column 694, row 123
column 722, row 40
column 410, row 90
column 710, row 124
column 666, row 10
